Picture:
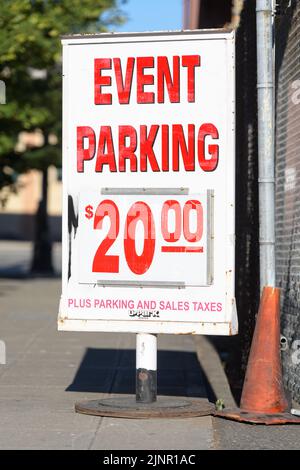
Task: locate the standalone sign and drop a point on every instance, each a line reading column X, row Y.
column 148, row 171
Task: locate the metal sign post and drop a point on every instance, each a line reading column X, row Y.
column 146, row 368
column 149, row 178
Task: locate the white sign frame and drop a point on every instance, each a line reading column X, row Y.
column 76, row 317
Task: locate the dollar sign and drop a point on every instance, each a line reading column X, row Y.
column 89, row 212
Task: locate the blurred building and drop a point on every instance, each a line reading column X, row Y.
column 17, row 210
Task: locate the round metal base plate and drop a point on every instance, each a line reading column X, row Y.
column 164, row 407
column 257, row 418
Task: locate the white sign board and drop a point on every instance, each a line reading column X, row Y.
column 148, row 177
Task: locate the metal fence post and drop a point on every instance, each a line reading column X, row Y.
column 266, row 158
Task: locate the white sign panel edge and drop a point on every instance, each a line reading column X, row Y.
column 227, row 327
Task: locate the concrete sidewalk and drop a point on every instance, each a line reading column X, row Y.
column 47, row 371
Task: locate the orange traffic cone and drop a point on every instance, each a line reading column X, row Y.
column 263, row 400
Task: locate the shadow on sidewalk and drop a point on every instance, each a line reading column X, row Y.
column 18, row 271
column 113, row 371
column 15, row 271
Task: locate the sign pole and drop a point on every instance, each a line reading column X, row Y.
column 146, row 403
column 146, row 368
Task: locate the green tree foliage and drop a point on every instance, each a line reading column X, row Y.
column 30, row 66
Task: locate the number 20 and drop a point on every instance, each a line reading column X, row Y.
column 138, row 264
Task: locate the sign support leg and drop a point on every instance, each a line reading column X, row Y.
column 145, row 403
column 146, row 368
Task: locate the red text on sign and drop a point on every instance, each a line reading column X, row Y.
column 149, row 72
column 140, row 212
column 135, row 150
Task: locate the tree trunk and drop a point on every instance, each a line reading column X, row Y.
column 42, row 249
